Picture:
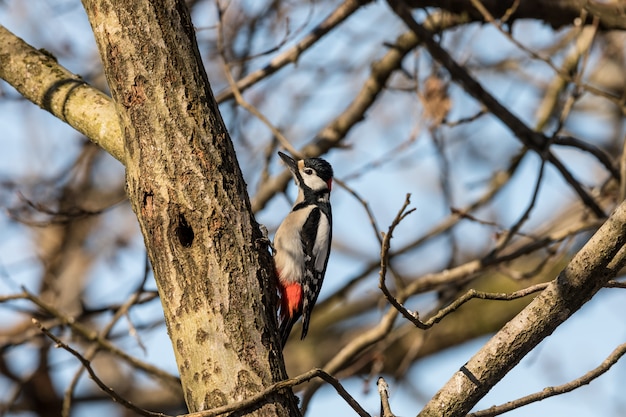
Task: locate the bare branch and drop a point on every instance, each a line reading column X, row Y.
column 559, row 389
column 333, row 133
column 593, row 266
column 40, row 78
column 384, row 260
column 288, row 383
column 108, row 390
column 104, row 344
column 598, row 153
column 554, row 13
column 236, row 92
column 91, row 352
column 533, row 140
column 345, row 10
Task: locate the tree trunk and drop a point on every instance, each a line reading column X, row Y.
column 187, row 191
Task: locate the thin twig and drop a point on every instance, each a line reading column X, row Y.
column 93, row 349
column 559, row 389
column 464, row 120
column 288, row 383
column 472, row 293
column 105, row 344
column 508, row 235
column 341, row 13
column 598, row 153
column 333, row 133
column 239, row 97
column 365, row 205
column 107, row 390
column 533, row 140
column 384, row 260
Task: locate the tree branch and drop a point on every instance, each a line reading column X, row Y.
column 288, row 383
column 593, row 266
column 39, row 78
column 103, row 343
column 548, row 392
column 531, row 139
column 344, row 11
column 383, row 391
column 107, row 390
column 554, row 13
column 334, row 132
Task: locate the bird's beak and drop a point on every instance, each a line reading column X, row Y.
column 290, row 162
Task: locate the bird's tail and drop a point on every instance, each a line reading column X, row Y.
column 285, row 328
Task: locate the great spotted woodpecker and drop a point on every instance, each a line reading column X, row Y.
column 302, row 243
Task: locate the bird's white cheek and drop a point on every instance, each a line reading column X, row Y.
column 314, row 182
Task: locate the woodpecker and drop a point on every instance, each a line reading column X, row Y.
column 302, row 243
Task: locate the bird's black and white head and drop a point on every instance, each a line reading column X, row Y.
column 313, row 176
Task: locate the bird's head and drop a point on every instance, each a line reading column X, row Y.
column 313, row 173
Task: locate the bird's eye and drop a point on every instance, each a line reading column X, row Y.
column 308, row 171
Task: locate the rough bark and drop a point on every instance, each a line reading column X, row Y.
column 187, row 191
column 593, row 266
